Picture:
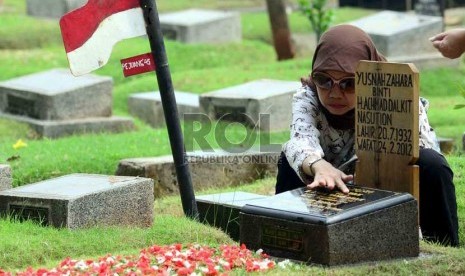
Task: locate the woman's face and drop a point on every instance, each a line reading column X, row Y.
column 336, row 90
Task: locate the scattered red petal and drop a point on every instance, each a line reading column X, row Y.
column 167, row 260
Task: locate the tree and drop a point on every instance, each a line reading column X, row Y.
column 318, row 14
column 280, row 28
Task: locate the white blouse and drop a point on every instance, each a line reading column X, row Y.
column 312, row 136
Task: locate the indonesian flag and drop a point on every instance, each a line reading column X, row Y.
column 90, row 32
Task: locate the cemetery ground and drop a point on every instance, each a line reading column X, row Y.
column 29, row 45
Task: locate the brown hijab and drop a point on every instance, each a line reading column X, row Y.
column 340, row 49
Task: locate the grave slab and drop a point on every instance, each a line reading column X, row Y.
column 148, row 107
column 397, row 35
column 83, row 200
column 331, row 228
column 222, row 210
column 201, row 26
column 57, row 95
column 393, row 32
column 428, row 7
column 61, row 128
column 222, row 168
column 55, row 103
column 52, row 8
column 264, row 102
column 5, row 177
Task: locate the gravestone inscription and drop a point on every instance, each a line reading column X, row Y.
column 386, row 126
column 332, row 228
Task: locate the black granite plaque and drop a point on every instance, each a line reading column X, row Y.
column 331, row 228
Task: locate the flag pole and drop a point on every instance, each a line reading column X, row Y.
column 170, row 109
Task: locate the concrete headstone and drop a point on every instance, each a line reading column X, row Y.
column 83, row 200
column 202, row 26
column 332, row 228
column 428, row 7
column 148, row 106
column 57, row 95
column 52, row 8
column 56, row 103
column 403, row 37
column 264, row 103
column 223, row 169
column 5, row 177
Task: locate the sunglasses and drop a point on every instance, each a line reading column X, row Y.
column 325, row 81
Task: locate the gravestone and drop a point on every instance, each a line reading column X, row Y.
column 386, row 126
column 55, row 103
column 264, row 103
column 332, row 228
column 222, row 210
column 201, row 26
column 404, row 37
column 52, row 8
column 82, row 200
column 5, row 177
column 428, row 7
column 208, row 169
column 148, row 106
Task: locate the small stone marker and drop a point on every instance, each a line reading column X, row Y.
column 55, row 103
column 393, row 34
column 52, row 8
column 428, row 7
column 57, row 95
column 224, row 169
column 5, row 177
column 222, row 210
column 202, row 26
column 386, row 126
column 331, row 228
column 148, row 106
column 82, row 200
column 264, row 103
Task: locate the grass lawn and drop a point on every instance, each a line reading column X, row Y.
column 29, row 45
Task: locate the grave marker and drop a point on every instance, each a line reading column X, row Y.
column 201, row 26
column 386, row 126
column 429, row 7
column 253, row 103
column 393, row 34
column 55, row 103
column 332, row 228
column 82, row 200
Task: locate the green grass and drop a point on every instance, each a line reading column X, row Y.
column 29, row 45
column 28, row 244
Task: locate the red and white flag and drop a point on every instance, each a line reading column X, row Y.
column 90, row 32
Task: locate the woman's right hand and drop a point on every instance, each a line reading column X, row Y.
column 327, row 176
